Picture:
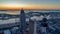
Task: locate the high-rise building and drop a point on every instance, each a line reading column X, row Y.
column 31, row 26
column 23, row 20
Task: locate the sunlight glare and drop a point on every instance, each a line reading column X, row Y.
column 15, row 5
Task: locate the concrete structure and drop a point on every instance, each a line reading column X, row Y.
column 31, row 26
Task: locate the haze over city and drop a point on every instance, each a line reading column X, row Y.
column 29, row 4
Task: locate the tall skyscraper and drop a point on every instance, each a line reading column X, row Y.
column 23, row 20
column 31, row 26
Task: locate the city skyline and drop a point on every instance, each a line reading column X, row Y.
column 29, row 4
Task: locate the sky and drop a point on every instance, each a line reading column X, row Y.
column 29, row 4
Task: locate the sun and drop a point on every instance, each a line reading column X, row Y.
column 15, row 5
column 12, row 4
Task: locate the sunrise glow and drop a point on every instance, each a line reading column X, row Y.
column 35, row 4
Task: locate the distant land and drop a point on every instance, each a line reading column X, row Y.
column 31, row 9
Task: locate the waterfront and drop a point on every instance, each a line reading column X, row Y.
column 36, row 16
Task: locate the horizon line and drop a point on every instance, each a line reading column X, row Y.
column 28, row 9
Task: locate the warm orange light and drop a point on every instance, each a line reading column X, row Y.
column 15, row 6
